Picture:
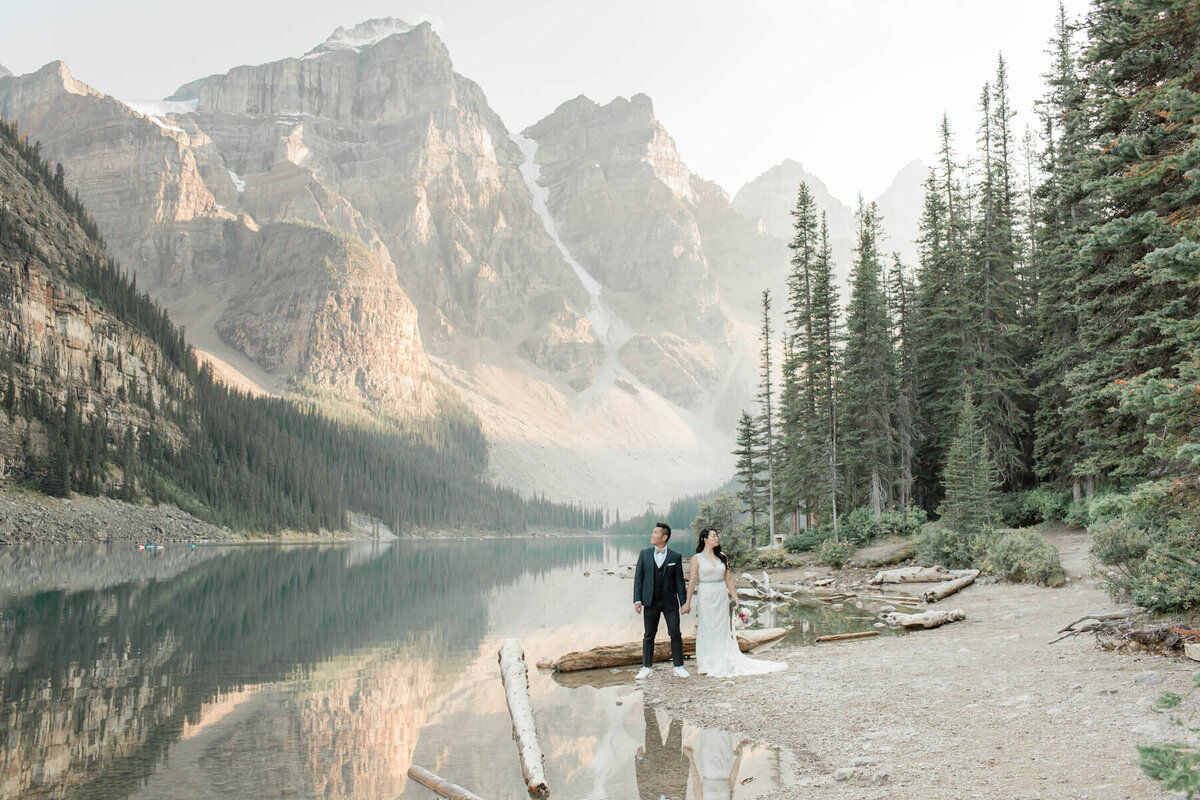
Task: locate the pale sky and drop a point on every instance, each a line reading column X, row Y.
column 852, row 89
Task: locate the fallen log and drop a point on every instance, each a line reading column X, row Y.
column 950, row 587
column 622, row 655
column 841, row 637
column 439, row 785
column 917, row 575
column 927, row 619
column 515, row 677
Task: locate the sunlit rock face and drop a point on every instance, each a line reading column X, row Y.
column 348, row 326
column 376, row 119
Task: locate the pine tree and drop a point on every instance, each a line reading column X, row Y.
column 768, row 420
column 900, row 296
column 1137, row 312
column 1064, row 214
column 826, row 334
column 971, row 504
column 800, row 465
column 939, row 327
column 749, row 468
column 994, row 294
column 868, row 377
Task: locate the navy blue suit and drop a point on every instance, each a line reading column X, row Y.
column 661, row 591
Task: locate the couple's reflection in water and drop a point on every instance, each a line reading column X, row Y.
column 664, row 766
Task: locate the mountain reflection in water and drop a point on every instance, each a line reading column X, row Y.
column 317, row 671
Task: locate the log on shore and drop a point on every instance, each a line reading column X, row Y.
column 515, row 676
column 927, row 619
column 439, row 785
column 842, row 637
column 917, row 575
column 623, row 655
column 950, row 587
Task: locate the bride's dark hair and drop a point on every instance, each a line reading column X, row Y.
column 716, row 550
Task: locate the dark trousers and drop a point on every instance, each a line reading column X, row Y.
column 650, row 615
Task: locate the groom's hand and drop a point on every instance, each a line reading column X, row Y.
column 637, row 607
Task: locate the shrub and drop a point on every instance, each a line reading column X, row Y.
column 1016, row 510
column 859, row 526
column 1077, row 514
column 1169, row 581
column 953, row 549
column 1026, row 556
column 903, row 522
column 769, row 559
column 808, row 539
column 835, row 554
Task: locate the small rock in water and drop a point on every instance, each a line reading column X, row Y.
column 880, row 625
column 838, row 606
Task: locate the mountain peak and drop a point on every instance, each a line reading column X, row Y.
column 363, row 35
column 4, row 71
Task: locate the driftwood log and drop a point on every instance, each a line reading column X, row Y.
column 842, row 637
column 950, row 587
column 440, row 786
column 763, row 589
column 918, row 575
column 926, row 619
column 514, row 674
column 623, row 655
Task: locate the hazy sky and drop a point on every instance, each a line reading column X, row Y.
column 853, row 89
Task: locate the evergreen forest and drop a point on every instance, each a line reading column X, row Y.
column 1041, row 360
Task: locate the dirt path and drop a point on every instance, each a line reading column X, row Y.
column 983, row 708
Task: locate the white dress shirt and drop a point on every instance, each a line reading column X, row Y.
column 660, row 555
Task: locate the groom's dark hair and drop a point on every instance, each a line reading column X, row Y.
column 666, row 529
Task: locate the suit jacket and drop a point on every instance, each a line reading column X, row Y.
column 643, row 577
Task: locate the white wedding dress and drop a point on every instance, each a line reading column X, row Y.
column 717, row 652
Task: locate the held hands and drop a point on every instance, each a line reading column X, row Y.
column 637, row 607
column 686, row 608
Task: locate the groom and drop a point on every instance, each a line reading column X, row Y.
column 659, row 590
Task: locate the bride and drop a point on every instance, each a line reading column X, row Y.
column 711, row 583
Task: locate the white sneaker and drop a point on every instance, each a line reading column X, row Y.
column 642, row 674
column 680, row 672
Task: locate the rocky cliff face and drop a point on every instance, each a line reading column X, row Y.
column 149, row 182
column 374, row 134
column 64, row 346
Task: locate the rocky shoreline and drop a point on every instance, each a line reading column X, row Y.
column 981, row 708
column 30, row 518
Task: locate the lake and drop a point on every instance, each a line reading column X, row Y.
column 325, row 671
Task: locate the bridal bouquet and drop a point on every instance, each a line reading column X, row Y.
column 741, row 616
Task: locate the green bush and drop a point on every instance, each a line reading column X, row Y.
column 1026, row 556
column 938, row 544
column 859, row 526
column 1169, row 580
column 1016, row 510
column 769, row 559
column 835, row 554
column 903, row 522
column 1077, row 514
column 808, row 539
column 1120, row 542
column 1043, row 504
